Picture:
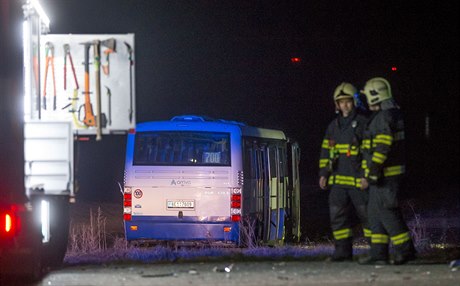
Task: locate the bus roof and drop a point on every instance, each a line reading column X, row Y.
column 262, row 132
column 193, row 122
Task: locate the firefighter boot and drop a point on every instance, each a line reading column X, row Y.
column 404, row 253
column 378, row 255
column 343, row 250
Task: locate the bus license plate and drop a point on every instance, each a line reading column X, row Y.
column 180, row 204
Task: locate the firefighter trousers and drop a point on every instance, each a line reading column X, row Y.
column 386, row 221
column 341, row 203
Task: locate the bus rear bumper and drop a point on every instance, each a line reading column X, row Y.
column 144, row 231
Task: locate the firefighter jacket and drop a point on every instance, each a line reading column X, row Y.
column 383, row 145
column 340, row 158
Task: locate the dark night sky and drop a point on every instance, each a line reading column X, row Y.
column 231, row 59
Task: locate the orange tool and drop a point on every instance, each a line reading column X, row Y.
column 89, row 118
column 49, row 55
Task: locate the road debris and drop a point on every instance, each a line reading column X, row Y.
column 226, row 269
column 159, row 275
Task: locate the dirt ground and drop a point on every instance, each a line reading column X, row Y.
column 431, row 269
column 254, row 273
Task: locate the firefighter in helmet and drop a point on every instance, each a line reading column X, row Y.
column 383, row 164
column 340, row 171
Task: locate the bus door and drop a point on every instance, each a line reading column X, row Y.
column 293, row 193
column 276, row 159
column 257, row 186
column 265, row 165
column 264, row 191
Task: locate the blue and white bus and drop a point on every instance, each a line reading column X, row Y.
column 197, row 180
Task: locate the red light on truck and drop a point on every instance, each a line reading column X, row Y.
column 8, row 223
column 127, row 216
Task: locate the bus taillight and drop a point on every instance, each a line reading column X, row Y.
column 235, row 204
column 127, row 204
column 236, row 218
column 236, row 197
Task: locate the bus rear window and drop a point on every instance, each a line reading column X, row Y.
column 182, row 148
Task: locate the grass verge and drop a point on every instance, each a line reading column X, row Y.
column 89, row 243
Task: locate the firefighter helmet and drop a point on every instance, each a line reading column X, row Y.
column 345, row 90
column 377, row 90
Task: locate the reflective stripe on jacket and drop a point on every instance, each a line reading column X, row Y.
column 383, row 145
column 340, row 158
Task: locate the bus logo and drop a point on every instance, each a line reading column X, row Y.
column 138, row 194
column 180, row 182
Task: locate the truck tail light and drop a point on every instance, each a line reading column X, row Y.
column 235, row 204
column 10, row 222
column 127, row 204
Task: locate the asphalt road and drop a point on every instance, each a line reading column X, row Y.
column 253, row 273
